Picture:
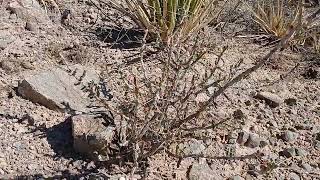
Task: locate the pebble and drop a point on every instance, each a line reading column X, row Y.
column 253, row 141
column 317, row 145
column 7, row 66
column 3, row 162
column 238, row 114
column 271, row 99
column 273, row 123
column 291, row 101
column 243, row 137
column 294, row 176
column 301, row 152
column 236, row 178
column 303, row 127
column 263, row 143
column 31, row 26
column 289, row 152
column 289, row 136
column 317, row 136
column 1, row 171
column 306, row 167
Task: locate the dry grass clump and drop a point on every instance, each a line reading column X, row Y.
column 273, row 19
column 170, row 21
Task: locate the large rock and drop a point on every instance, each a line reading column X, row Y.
column 57, row 89
column 91, row 136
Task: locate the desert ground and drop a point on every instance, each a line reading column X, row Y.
column 272, row 117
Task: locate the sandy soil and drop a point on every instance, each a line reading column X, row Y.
column 36, row 142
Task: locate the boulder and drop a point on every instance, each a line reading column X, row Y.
column 91, row 136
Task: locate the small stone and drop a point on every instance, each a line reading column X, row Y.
column 243, row 137
column 3, row 162
column 317, row 145
column 306, row 167
column 8, row 66
column 303, row 127
column 294, row 176
column 317, row 136
column 291, row 101
column 289, row 136
column 289, row 152
column 90, row 165
column 32, row 166
column 271, row 99
column 202, row 171
column 301, row 152
column 273, row 123
column 238, row 114
column 31, row 26
column 263, row 143
column 86, row 20
column 248, row 103
column 236, row 178
column 27, row 65
column 253, row 141
column 5, row 40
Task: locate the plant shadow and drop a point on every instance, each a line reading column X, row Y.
column 120, row 38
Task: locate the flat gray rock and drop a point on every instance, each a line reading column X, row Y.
column 57, row 89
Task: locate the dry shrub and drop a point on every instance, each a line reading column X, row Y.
column 164, row 101
column 174, row 96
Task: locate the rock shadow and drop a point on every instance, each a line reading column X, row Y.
column 60, row 139
column 120, row 38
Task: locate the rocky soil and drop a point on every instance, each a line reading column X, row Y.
column 275, row 114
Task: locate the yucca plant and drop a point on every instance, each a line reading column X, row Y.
column 273, row 19
column 171, row 21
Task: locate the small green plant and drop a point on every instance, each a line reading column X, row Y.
column 170, row 21
column 273, row 20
